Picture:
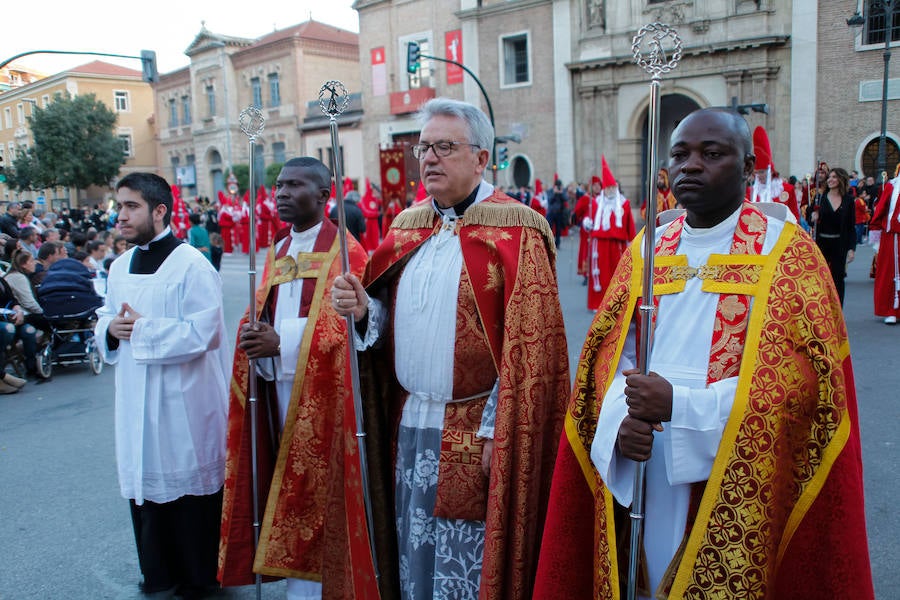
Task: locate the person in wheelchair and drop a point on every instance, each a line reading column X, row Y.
column 68, row 290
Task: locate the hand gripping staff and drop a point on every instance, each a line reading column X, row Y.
column 334, row 99
column 657, row 49
column 252, row 124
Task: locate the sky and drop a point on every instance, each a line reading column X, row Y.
column 166, row 26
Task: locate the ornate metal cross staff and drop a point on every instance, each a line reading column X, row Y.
column 334, row 99
column 252, row 124
column 663, row 49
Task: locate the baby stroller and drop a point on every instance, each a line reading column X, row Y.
column 69, row 301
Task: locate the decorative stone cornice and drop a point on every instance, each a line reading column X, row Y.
column 772, row 41
column 498, row 9
column 604, row 89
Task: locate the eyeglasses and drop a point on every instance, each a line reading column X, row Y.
column 441, row 149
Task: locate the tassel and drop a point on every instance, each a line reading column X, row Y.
column 418, row 216
column 486, row 212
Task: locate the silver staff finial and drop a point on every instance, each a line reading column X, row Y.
column 252, row 122
column 663, row 49
column 333, row 98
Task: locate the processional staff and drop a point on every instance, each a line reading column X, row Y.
column 334, row 99
column 663, row 51
column 252, row 124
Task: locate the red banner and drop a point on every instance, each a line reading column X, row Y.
column 393, row 175
column 453, row 51
column 379, row 72
column 410, row 100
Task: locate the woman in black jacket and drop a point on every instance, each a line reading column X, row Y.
column 834, row 220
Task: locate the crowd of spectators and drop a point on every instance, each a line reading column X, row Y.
column 65, row 254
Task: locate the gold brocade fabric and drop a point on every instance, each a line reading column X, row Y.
column 508, row 256
column 534, row 384
column 473, row 365
column 788, row 424
column 462, row 489
column 304, row 511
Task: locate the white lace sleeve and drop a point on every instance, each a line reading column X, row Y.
column 377, row 317
column 489, row 414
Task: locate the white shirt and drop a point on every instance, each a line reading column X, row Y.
column 289, row 326
column 171, row 378
column 425, row 326
column 684, row 452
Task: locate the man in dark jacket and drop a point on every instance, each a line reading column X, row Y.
column 68, row 289
column 356, row 222
column 9, row 222
column 48, row 254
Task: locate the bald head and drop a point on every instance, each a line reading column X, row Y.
column 710, row 160
column 733, row 122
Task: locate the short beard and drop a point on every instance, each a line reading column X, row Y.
column 143, row 236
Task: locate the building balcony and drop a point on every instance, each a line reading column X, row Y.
column 410, row 100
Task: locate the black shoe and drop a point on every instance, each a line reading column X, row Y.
column 196, row 592
column 157, row 591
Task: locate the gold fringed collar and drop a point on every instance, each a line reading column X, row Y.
column 487, row 212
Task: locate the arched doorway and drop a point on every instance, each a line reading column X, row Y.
column 520, row 171
column 672, row 109
column 869, row 157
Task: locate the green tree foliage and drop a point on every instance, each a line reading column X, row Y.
column 242, row 173
column 75, row 145
column 272, row 172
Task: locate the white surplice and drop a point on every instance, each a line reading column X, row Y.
column 683, row 453
column 171, row 377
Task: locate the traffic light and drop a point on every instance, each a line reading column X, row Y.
column 502, row 157
column 148, row 66
column 2, row 174
column 412, row 57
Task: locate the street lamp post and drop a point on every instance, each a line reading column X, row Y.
column 887, row 7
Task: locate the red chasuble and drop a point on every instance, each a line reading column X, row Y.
column 509, row 322
column 313, row 521
column 887, row 271
column 781, row 515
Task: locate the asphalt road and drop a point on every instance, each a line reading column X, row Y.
column 65, row 532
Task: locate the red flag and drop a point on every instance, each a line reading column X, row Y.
column 421, row 194
column 179, row 221
column 368, row 203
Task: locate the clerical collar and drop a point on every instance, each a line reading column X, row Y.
column 307, row 235
column 458, row 209
column 726, row 227
column 162, row 234
column 146, row 260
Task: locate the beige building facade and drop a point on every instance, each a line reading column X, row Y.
column 560, row 75
column 509, row 46
column 199, row 107
column 734, row 53
column 119, row 88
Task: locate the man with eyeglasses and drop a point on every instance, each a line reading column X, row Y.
column 462, row 298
